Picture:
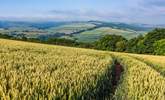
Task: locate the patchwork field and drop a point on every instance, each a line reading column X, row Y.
column 79, row 31
column 70, row 28
column 93, row 35
column 38, row 71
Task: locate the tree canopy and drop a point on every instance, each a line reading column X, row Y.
column 111, row 42
column 159, row 47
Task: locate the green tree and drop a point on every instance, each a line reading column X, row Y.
column 134, row 44
column 140, row 47
column 151, row 37
column 108, row 42
column 121, row 46
column 61, row 41
column 5, row 36
column 159, row 47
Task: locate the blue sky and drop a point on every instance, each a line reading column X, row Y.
column 130, row 11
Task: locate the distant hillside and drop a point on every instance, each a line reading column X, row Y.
column 81, row 31
column 93, row 35
column 40, row 25
column 123, row 26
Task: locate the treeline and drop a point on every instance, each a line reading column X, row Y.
column 50, row 40
column 152, row 43
column 5, row 36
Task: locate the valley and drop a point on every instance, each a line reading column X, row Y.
column 89, row 31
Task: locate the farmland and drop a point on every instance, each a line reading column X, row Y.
column 139, row 81
column 39, row 71
column 70, row 28
column 157, row 62
column 93, row 35
column 80, row 31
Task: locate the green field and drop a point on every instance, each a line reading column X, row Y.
column 93, row 35
column 29, row 32
column 70, row 28
column 39, row 71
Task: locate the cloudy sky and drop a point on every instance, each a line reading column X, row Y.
column 130, row 11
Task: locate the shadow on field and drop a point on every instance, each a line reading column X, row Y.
column 107, row 85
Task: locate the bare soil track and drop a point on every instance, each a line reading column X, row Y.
column 116, row 74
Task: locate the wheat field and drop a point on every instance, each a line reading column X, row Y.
column 35, row 71
column 139, row 80
column 157, row 62
column 32, row 71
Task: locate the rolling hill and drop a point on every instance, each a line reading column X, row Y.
column 39, row 71
column 81, row 31
column 71, row 28
column 93, row 35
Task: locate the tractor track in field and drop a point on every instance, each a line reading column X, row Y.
column 108, row 86
column 116, row 75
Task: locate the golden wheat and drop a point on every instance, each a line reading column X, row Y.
column 139, row 81
column 157, row 62
column 36, row 71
